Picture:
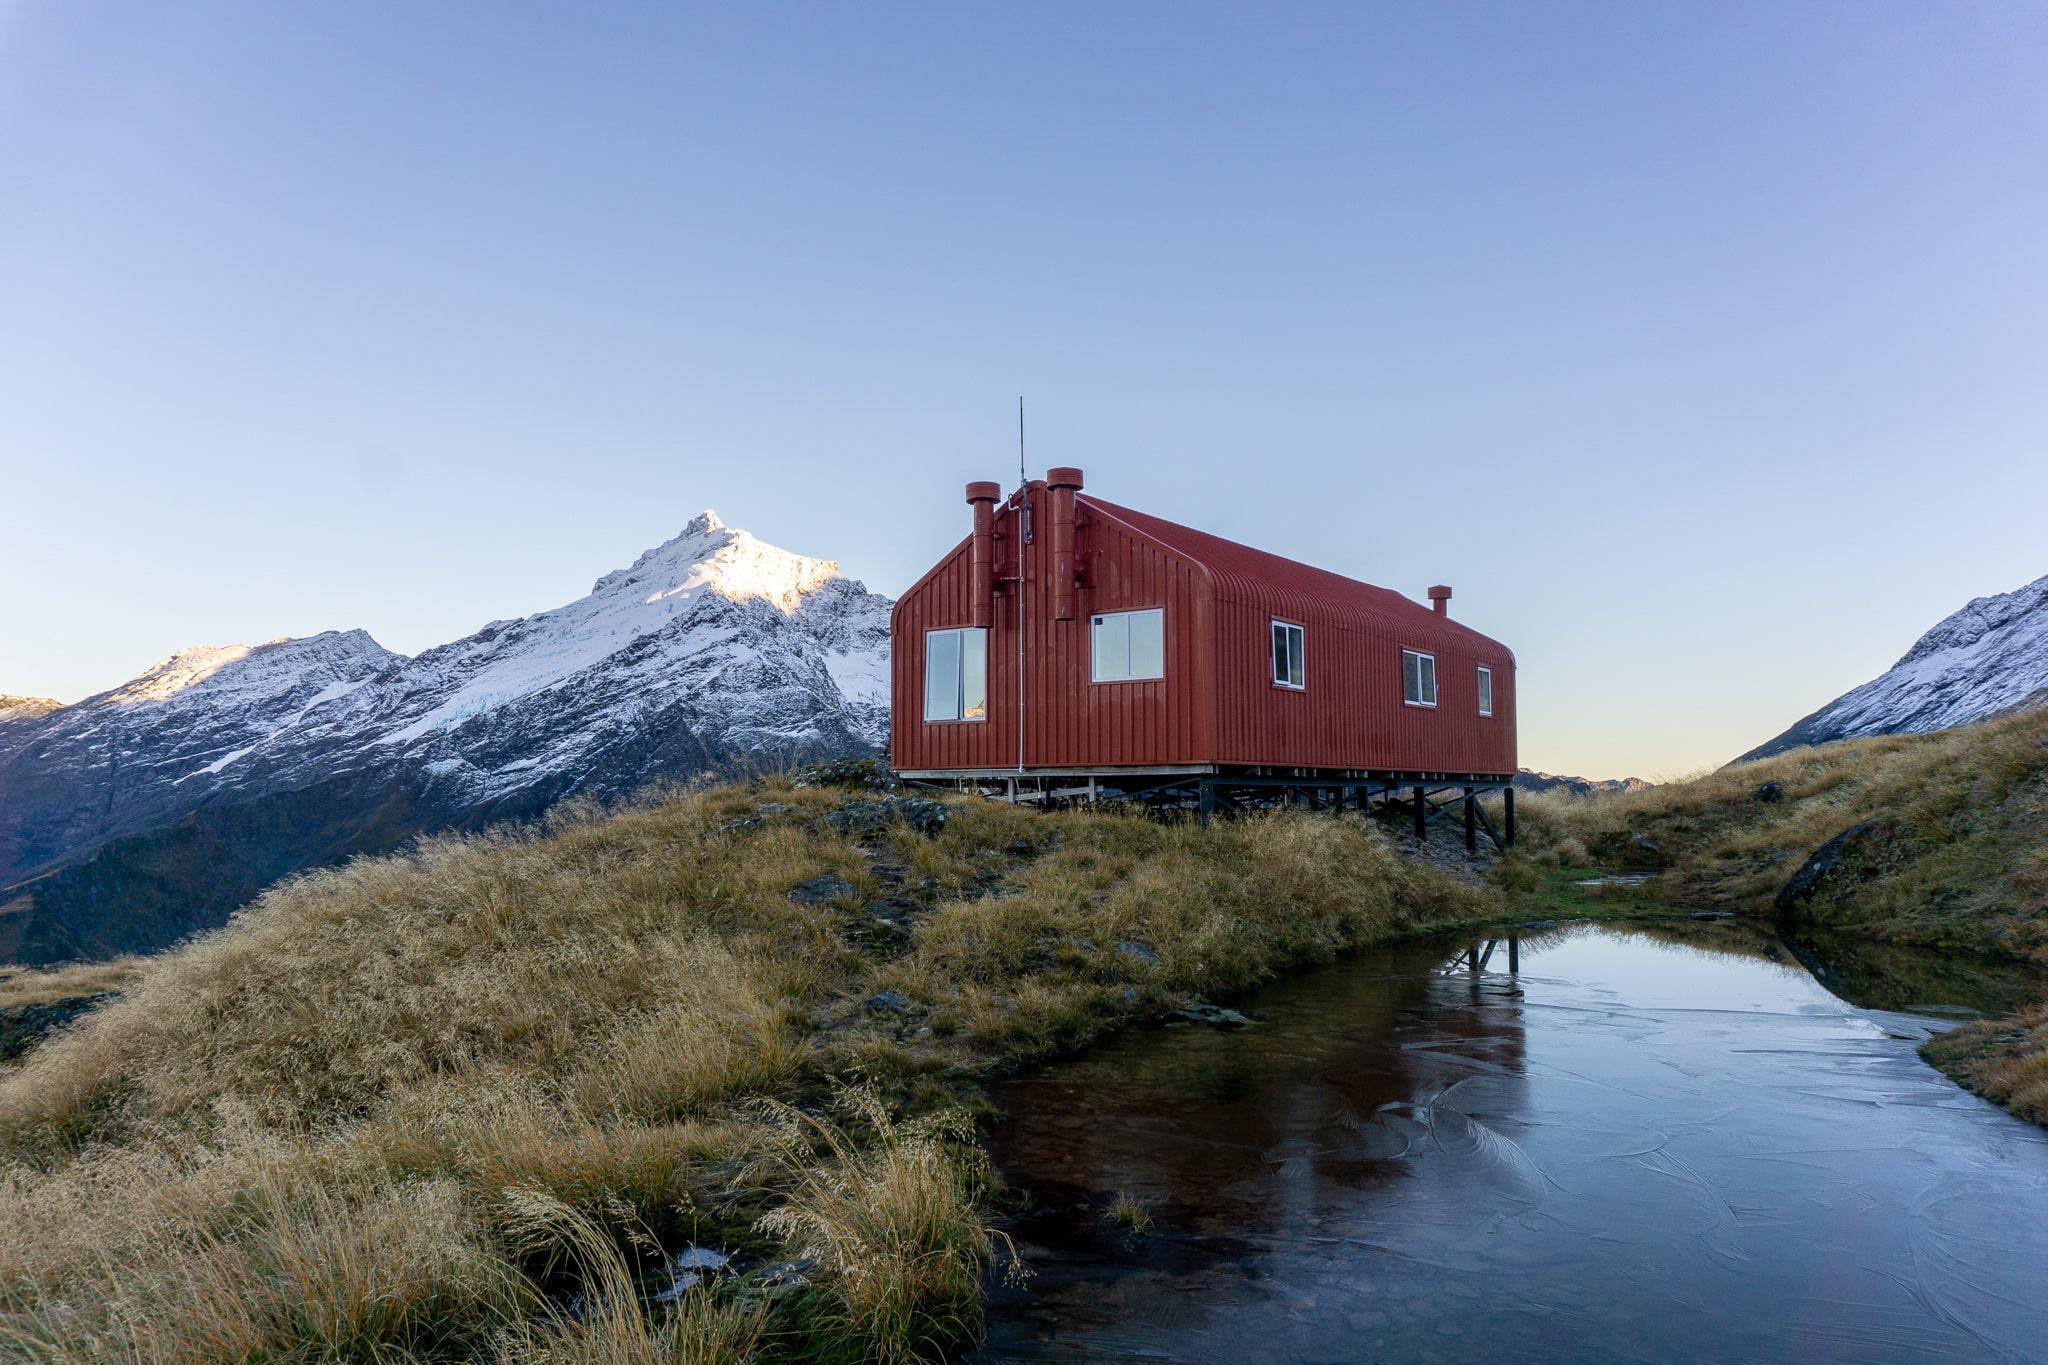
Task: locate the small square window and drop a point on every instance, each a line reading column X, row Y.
column 956, row 674
column 1288, row 670
column 1418, row 678
column 1126, row 645
column 1485, row 691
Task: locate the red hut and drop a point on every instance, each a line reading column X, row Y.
column 1069, row 645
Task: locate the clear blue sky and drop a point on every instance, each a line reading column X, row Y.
column 1702, row 348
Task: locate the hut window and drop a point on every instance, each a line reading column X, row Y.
column 1485, row 691
column 1129, row 644
column 956, row 674
column 1287, row 664
column 1418, row 678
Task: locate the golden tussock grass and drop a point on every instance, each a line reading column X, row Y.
column 1957, row 856
column 378, row 1115
column 32, row 986
column 2005, row 1061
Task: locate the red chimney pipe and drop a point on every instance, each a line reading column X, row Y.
column 1063, row 484
column 981, row 587
column 1440, row 598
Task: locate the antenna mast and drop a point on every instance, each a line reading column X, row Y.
column 1024, row 522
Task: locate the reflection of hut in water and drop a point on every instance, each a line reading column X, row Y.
column 1365, row 1069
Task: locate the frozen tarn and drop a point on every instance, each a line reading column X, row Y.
column 1991, row 657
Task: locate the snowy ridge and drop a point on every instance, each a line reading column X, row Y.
column 25, row 708
column 657, row 593
column 1989, row 658
column 712, row 649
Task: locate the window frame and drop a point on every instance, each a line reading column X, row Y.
column 1484, row 677
column 1095, row 620
column 959, row 716
column 1433, row 689
column 1299, row 632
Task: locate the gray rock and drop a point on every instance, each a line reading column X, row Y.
column 863, row 818
column 1138, row 949
column 824, row 890
column 869, row 773
column 1770, row 793
column 888, row 1002
column 1815, row 871
column 1215, row 1016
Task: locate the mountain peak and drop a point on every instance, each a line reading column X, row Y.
column 1987, row 658
column 708, row 554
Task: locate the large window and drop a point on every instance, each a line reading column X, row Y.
column 1287, row 665
column 1418, row 678
column 1129, row 644
column 1485, row 691
column 956, row 674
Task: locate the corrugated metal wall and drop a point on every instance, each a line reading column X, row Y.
column 1351, row 713
column 1068, row 720
column 1217, row 702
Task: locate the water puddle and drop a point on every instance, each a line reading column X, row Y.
column 1603, row 1143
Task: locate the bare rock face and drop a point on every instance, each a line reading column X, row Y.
column 152, row 810
column 1988, row 659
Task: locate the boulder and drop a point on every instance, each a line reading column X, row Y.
column 1807, row 881
column 824, row 890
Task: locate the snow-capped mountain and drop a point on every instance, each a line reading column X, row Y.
column 712, row 650
column 1987, row 659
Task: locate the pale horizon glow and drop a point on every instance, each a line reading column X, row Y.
column 1699, row 349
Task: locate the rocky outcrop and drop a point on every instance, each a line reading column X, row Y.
column 1814, row 873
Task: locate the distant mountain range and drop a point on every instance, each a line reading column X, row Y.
column 1988, row 659
column 138, row 816
column 1529, row 780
